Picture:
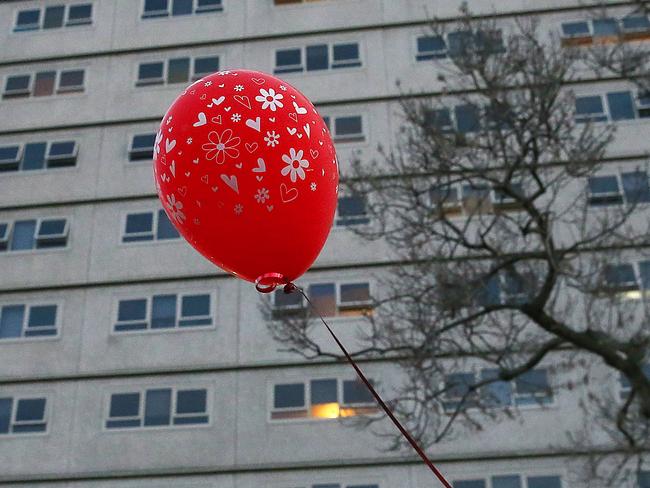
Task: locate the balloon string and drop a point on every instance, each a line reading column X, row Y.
column 290, row 288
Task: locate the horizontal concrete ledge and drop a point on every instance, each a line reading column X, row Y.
column 578, row 6
column 387, row 461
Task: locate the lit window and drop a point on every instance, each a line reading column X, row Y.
column 140, row 227
column 351, row 210
column 287, row 304
column 142, row 147
column 28, row 20
column 26, row 321
column 431, row 47
column 164, row 312
column 22, row 415
column 158, row 409
column 344, row 299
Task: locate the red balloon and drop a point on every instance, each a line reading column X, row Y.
column 247, row 172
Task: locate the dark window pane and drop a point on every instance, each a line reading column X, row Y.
column 345, row 55
column 431, row 47
column 635, row 186
column 289, row 395
column 644, row 271
column 129, row 310
column 575, row 29
column 61, row 149
column 44, row 83
column 355, row 293
column 53, row 17
column 205, row 66
column 439, row 119
column 150, row 73
column 42, row 316
column 323, row 391
column 533, row 388
column 544, row 482
column 195, row 305
column 469, row 484
column 52, row 227
column 22, row 236
column 354, row 391
column 208, row 6
column 620, row 276
column 605, row 27
column 457, row 385
column 352, row 211
column 4, row 231
column 282, row 299
column 288, row 60
column 636, row 23
column 460, row 43
column 139, row 222
column 348, row 126
column 644, row 476
column 9, row 153
column 125, row 405
column 71, row 80
column 17, row 83
column 165, row 228
column 178, row 70
column 143, row 141
column 24, row 428
column 11, row 321
column 467, row 118
column 5, row 414
column 182, row 7
column 498, row 393
column 80, row 14
column 158, row 406
column 163, row 311
column 621, row 106
column 34, row 156
column 590, row 108
column 28, row 20
column 317, row 57
column 30, row 409
column 604, row 190
column 323, row 298
column 191, row 401
column 155, row 8
column 511, row 481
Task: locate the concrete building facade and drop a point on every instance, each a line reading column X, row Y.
column 117, row 371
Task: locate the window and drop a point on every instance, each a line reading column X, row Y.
column 644, row 479
column 431, row 47
column 34, row 234
column 44, row 83
column 22, row 415
column 164, row 312
column 148, row 226
column 54, row 17
column 351, row 210
column 576, row 29
column 177, row 70
column 159, row 407
column 530, row 388
column 511, row 481
column 643, row 105
column 161, row 8
column 321, row 398
column 626, row 386
column 635, row 23
column 27, row 321
column 142, row 147
column 317, row 57
column 606, row 190
column 329, row 299
column 605, row 29
column 347, row 128
column 592, row 108
column 38, row 155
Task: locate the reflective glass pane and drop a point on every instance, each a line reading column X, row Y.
column 9, row 153
column 498, row 393
column 139, row 222
column 125, row 405
column 460, row 42
column 28, row 19
column 288, row 60
column 51, row 227
column 467, row 118
column 18, row 82
column 150, row 72
column 323, row 298
column 205, row 66
column 6, row 405
column 34, row 156
column 80, row 14
column 346, row 54
column 178, row 70
column 42, row 316
column 438, row 118
column 345, row 126
column 636, row 22
column 317, row 57
column 44, row 83
column 323, row 391
column 71, row 79
column 191, row 401
column 575, row 29
column 621, row 106
column 129, row 310
column 61, row 149
column 158, row 404
column 154, row 8
column 512, row 481
column 22, row 236
column 182, row 7
column 282, row 299
column 431, row 44
column 30, row 409
column 591, row 106
column 165, row 228
column 143, row 141
column 53, row 17
column 544, row 482
column 605, row 27
column 289, row 395
column 163, row 311
column 603, row 184
column 619, row 274
column 355, row 293
column 195, row 305
column 11, row 321
column 354, row 391
column 644, row 477
column 644, row 271
column 635, row 186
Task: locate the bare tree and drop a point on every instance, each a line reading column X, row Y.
column 506, row 260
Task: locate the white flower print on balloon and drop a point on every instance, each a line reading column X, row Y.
column 235, row 117
column 156, row 146
column 271, row 138
column 175, row 208
column 313, row 187
column 221, row 146
column 294, row 165
column 239, row 208
column 262, row 195
column 283, row 88
column 270, row 99
column 239, row 88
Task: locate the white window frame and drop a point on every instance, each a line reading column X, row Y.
column 330, row 54
column 151, row 81
column 39, row 26
column 142, row 390
column 72, row 155
column 330, row 57
column 303, row 60
column 63, row 234
column 28, row 91
column 351, row 138
column 28, row 305
column 192, row 74
column 68, row 23
column 14, row 412
column 38, row 225
column 139, row 151
column 71, row 88
column 17, row 159
column 154, row 230
column 148, row 309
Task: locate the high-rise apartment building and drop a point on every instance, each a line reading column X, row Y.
column 128, row 360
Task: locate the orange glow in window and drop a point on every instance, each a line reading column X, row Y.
column 325, row 411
